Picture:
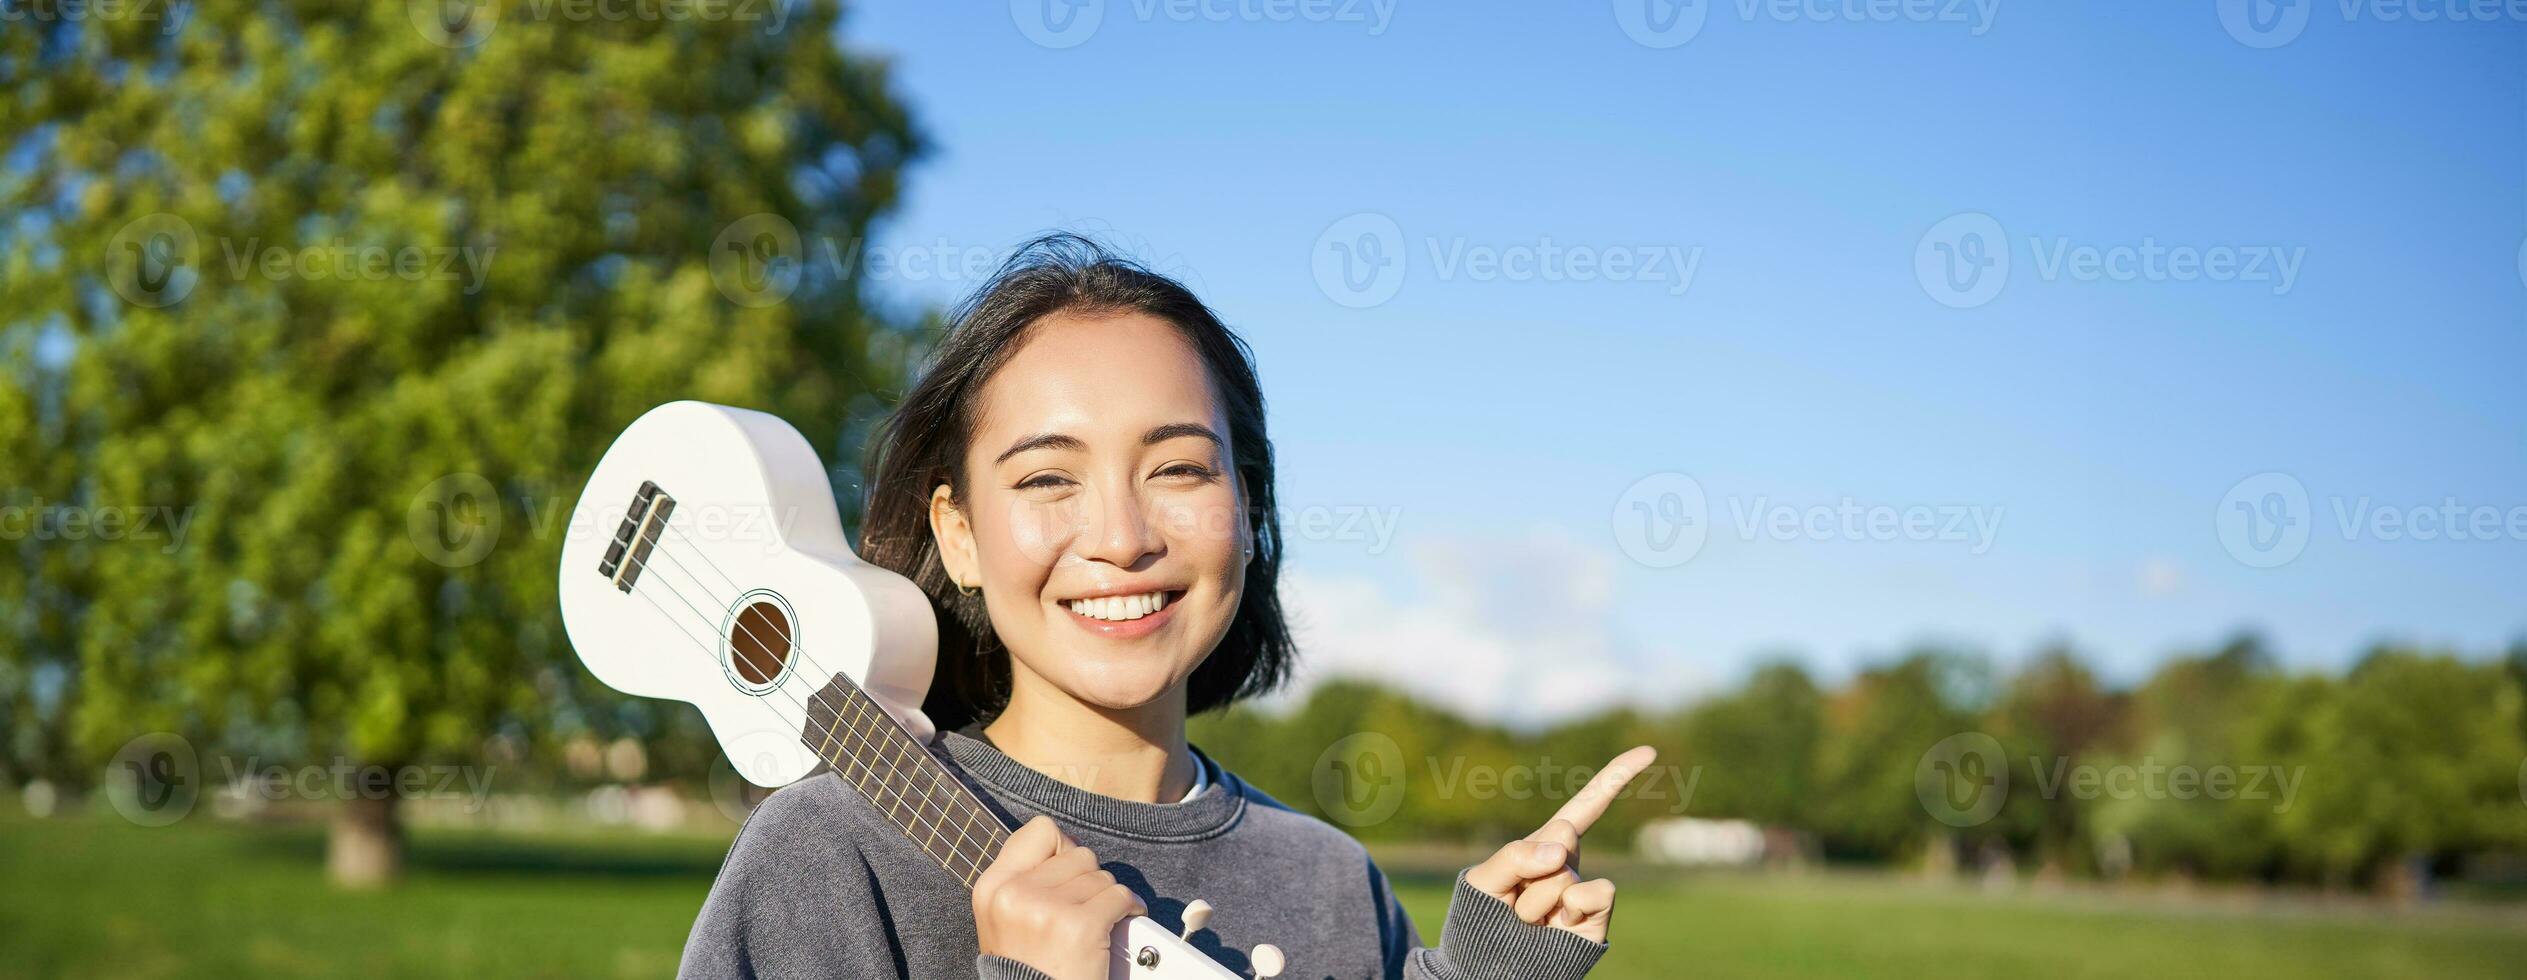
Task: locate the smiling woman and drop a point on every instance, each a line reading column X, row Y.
column 1082, row 485
column 1001, row 438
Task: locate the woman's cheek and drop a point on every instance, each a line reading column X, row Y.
column 1203, row 526
column 1039, row 533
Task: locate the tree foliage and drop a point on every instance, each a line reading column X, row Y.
column 363, row 299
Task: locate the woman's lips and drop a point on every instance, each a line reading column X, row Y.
column 1129, row 628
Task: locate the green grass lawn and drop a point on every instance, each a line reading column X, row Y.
column 91, row 897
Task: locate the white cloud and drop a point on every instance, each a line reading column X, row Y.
column 1519, row 630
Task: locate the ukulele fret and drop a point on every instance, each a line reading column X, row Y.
column 939, row 815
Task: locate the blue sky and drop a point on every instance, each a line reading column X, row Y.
column 2067, row 434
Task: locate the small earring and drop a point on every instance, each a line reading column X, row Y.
column 968, row 590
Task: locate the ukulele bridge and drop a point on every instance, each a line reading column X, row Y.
column 633, row 542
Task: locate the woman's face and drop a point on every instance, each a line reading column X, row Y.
column 1102, row 516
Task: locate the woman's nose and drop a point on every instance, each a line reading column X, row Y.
column 1123, row 533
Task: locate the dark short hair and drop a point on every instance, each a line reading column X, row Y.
column 923, row 444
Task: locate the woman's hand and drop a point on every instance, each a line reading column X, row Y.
column 1539, row 876
column 1044, row 902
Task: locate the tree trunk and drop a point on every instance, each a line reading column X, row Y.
column 2405, row 880
column 366, row 846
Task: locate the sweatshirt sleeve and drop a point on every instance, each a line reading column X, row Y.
column 1482, row 939
column 771, row 912
column 990, row 967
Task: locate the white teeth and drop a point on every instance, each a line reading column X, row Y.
column 1120, row 609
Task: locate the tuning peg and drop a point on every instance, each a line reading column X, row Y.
column 1268, row 961
column 1197, row 915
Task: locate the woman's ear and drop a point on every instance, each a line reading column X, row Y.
column 956, row 538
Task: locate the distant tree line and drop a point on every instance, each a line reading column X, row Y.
column 2220, row 765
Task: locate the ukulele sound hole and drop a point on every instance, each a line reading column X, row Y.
column 760, row 641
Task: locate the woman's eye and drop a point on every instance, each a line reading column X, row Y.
column 1043, row 481
column 1194, row 471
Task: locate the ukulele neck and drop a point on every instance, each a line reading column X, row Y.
column 896, row 774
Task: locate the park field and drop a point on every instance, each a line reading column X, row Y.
column 92, row 897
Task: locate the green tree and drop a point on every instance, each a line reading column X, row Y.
column 2411, row 758
column 1878, row 733
column 2199, row 711
column 362, row 292
column 2055, row 715
column 1757, row 748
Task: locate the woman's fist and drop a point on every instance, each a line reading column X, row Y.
column 1539, row 876
column 1044, row 902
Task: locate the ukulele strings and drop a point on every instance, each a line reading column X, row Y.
column 855, row 716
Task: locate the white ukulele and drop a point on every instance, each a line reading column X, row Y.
column 705, row 563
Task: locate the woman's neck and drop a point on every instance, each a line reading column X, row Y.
column 1137, row 754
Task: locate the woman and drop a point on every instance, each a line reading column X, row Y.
column 1082, row 484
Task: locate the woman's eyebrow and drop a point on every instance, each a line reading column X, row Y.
column 1057, row 440
column 1042, row 440
column 1174, row 430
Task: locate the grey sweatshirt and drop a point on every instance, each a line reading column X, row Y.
column 819, row 884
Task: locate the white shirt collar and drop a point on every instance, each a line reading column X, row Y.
column 1201, row 780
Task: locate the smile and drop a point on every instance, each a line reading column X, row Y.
column 1120, row 608
column 1124, row 617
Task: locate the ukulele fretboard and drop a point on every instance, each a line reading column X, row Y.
column 902, row 779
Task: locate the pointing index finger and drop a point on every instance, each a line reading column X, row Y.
column 1591, row 801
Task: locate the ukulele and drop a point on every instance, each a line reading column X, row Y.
column 705, row 563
